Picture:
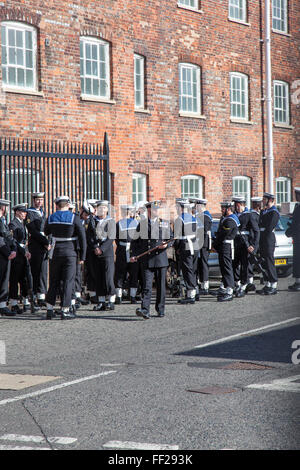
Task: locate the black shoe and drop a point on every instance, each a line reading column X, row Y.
column 110, row 306
column 250, row 288
column 50, row 314
column 100, row 307
column 72, row 310
column 118, row 300
column 133, row 300
column 83, row 301
column 6, row 312
column 94, row 299
column 161, row 314
column 204, row 292
column 26, row 308
column 16, row 309
column 67, row 315
column 77, row 305
column 240, row 293
column 225, row 297
column 41, row 303
column 188, row 300
column 141, row 312
column 295, row 287
column 197, row 297
column 264, row 291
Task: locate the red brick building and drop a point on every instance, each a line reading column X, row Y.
column 177, row 85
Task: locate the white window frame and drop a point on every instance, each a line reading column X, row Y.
column 189, row 4
column 285, row 108
column 285, row 194
column 139, row 88
column 281, row 7
column 234, row 101
column 189, row 89
column 137, row 195
column 237, row 6
column 244, row 180
column 19, row 52
column 95, row 77
column 191, row 180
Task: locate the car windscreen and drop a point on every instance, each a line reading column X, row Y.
column 282, row 223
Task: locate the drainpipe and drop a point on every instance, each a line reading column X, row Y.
column 270, row 156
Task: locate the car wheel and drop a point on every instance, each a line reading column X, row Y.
column 284, row 272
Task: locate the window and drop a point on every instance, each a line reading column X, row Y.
column 281, row 103
column 189, row 89
column 239, row 96
column 238, row 10
column 283, row 190
column 94, row 68
column 189, row 3
column 19, row 184
column 139, row 81
column 191, row 186
column 139, row 192
column 19, row 51
column 279, row 16
column 241, row 186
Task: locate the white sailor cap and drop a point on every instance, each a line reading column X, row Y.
column 102, row 203
column 92, row 202
column 269, row 195
column 196, row 200
column 256, row 199
column 128, row 207
column 20, row 207
column 183, row 202
column 62, row 199
column 4, row 202
column 240, row 199
column 34, row 195
column 141, row 204
column 297, row 190
column 226, row 204
column 87, row 206
column 153, row 204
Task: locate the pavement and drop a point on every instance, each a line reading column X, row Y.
column 209, row 376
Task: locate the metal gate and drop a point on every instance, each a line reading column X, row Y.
column 79, row 170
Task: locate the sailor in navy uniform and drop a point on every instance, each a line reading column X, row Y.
column 268, row 220
column 203, row 269
column 187, row 247
column 20, row 271
column 67, row 234
column 101, row 234
column 125, row 233
column 224, row 245
column 38, row 246
column 246, row 243
column 153, row 232
column 294, row 231
column 256, row 202
column 8, row 252
column 86, row 212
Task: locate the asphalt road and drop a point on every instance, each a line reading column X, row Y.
column 174, row 381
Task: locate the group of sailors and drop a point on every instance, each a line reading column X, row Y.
column 76, row 252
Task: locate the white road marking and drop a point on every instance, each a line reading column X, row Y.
column 55, row 387
column 245, row 333
column 22, row 448
column 128, row 445
column 38, row 439
column 281, row 385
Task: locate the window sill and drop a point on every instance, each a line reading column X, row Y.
column 143, row 111
column 96, row 99
column 282, row 33
column 283, row 126
column 22, row 91
column 239, row 22
column 191, row 115
column 241, row 121
column 185, row 7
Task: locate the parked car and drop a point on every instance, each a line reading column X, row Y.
column 283, row 249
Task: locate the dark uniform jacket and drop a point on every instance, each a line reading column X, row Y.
column 293, row 229
column 207, row 229
column 18, row 230
column 268, row 220
column 35, row 223
column 227, row 230
column 7, row 243
column 186, row 233
column 152, row 234
column 101, row 234
column 248, row 234
column 68, row 236
column 126, row 231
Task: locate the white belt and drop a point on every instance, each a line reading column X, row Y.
column 230, row 242
column 262, row 229
column 189, row 239
column 22, row 245
column 246, row 232
column 127, row 245
column 209, row 239
column 58, row 239
column 43, row 233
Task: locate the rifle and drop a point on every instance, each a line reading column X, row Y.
column 152, row 249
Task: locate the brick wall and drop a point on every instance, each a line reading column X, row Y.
column 162, row 144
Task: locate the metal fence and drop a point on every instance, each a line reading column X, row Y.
column 79, row 170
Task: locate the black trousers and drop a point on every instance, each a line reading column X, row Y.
column 4, row 278
column 267, row 248
column 91, row 264
column 61, row 279
column 225, row 261
column 189, row 269
column 18, row 275
column 241, row 264
column 39, row 269
column 105, row 268
column 122, row 268
column 296, row 259
column 159, row 275
column 203, row 269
